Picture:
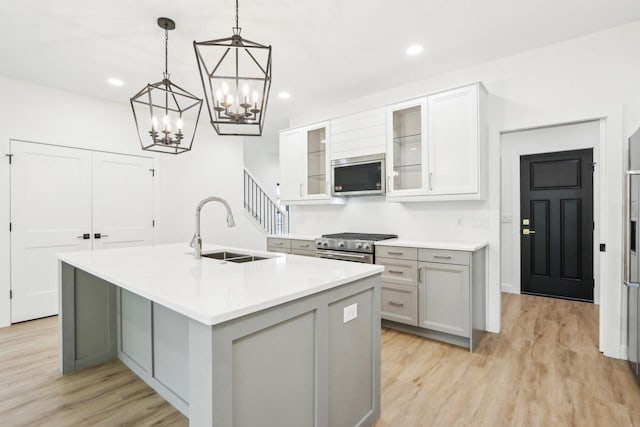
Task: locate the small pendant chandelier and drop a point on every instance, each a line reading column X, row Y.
column 169, row 109
column 237, row 86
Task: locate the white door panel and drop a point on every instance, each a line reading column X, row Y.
column 122, row 200
column 50, row 211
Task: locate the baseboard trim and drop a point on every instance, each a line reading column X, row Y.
column 508, row 288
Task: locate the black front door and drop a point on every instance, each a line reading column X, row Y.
column 556, row 228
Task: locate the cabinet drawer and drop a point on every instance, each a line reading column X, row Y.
column 446, row 257
column 305, row 245
column 399, row 271
column 399, row 303
column 278, row 249
column 302, row 252
column 396, row 252
column 278, row 243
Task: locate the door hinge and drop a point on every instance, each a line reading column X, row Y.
column 9, row 156
column 153, row 172
column 153, row 222
column 10, row 294
column 603, row 247
column 10, row 227
column 593, row 166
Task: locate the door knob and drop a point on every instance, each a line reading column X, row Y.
column 526, row 231
column 99, row 236
column 85, row 236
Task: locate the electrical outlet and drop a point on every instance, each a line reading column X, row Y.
column 350, row 312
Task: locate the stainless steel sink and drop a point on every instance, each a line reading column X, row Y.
column 232, row 257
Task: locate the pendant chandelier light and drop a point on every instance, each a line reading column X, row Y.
column 236, row 78
column 164, row 112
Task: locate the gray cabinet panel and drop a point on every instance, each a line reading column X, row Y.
column 171, row 350
column 305, row 245
column 278, row 249
column 135, row 324
column 94, row 318
column 444, row 298
column 396, row 252
column 302, row 252
column 443, row 256
column 351, row 392
column 399, row 271
column 275, row 387
column 279, row 243
column 399, row 303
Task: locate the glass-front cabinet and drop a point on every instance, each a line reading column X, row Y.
column 434, row 146
column 317, row 176
column 305, row 164
column 406, row 170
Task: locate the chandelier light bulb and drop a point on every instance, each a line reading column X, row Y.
column 179, row 125
column 225, row 88
column 154, row 123
column 255, row 96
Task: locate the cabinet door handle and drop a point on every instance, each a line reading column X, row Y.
column 419, row 274
column 388, row 182
column 279, row 244
column 395, row 253
column 300, row 191
column 304, row 246
column 396, row 271
column 397, row 304
column 442, row 256
column 430, row 181
column 85, row 236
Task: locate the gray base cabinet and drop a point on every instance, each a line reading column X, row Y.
column 291, row 246
column 301, row 363
column 434, row 293
column 443, row 298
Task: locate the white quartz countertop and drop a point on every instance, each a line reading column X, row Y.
column 214, row 291
column 427, row 244
column 292, row 236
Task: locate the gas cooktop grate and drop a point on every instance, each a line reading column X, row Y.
column 360, row 236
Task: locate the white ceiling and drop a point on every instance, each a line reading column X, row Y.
column 323, row 51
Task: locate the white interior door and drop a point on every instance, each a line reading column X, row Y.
column 122, row 201
column 50, row 213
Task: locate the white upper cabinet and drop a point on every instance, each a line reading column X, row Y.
column 292, row 153
column 435, row 147
column 453, row 141
column 305, row 164
column 406, row 148
column 359, row 134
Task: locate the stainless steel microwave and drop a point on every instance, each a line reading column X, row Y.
column 358, row 176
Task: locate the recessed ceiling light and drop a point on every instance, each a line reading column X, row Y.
column 284, row 95
column 114, row 81
column 414, row 49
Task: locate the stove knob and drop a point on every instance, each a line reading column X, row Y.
column 325, row 244
column 318, row 243
column 341, row 244
column 358, row 245
column 366, row 246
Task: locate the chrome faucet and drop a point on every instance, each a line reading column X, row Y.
column 196, row 241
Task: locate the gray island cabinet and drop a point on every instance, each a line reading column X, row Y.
column 283, row 341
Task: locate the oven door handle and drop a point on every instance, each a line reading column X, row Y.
column 338, row 255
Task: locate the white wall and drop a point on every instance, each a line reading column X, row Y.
column 214, row 167
column 562, row 82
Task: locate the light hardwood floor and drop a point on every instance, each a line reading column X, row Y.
column 543, row 370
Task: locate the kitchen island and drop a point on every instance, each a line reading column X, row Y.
column 286, row 340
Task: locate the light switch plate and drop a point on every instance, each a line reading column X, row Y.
column 350, row 312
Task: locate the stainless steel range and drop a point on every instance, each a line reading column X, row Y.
column 357, row 247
